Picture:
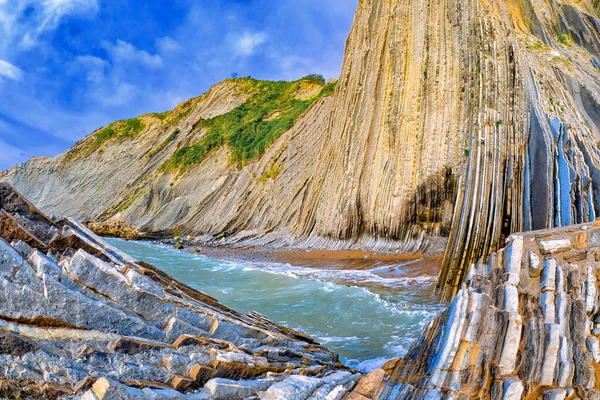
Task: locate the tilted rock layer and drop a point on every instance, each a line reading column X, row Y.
column 524, row 325
column 455, row 121
column 80, row 319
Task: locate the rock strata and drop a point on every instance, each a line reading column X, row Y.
column 81, row 319
column 457, row 122
column 524, row 325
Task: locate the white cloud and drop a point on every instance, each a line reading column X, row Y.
column 8, row 70
column 118, row 94
column 168, row 45
column 22, row 22
column 94, row 67
column 123, row 51
column 247, row 43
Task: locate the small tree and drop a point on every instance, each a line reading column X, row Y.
column 315, row 78
column 234, row 75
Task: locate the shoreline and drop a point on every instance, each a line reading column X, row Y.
column 412, row 264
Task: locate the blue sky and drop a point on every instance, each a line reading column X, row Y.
column 68, row 67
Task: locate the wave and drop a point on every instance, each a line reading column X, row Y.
column 352, row 277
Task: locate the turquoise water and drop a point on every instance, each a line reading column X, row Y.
column 367, row 317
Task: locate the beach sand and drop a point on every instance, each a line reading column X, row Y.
column 412, row 265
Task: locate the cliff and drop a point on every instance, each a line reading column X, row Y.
column 453, row 123
column 80, row 319
column 472, row 119
column 233, row 161
column 524, row 325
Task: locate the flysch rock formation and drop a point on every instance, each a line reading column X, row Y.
column 457, row 121
column 81, row 320
column 525, row 324
column 468, row 118
column 121, row 188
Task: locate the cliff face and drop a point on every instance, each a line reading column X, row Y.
column 454, row 122
column 185, row 172
column 470, row 117
column 525, row 325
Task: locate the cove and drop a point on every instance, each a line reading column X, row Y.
column 367, row 317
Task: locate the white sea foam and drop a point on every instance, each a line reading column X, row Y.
column 367, row 366
column 345, row 277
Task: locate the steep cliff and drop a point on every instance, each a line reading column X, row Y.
column 233, row 161
column 525, row 325
column 471, row 118
column 454, row 122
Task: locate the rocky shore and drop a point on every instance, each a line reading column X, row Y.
column 525, row 324
column 80, row 319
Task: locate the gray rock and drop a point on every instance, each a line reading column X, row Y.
column 554, row 246
column 225, row 389
column 512, row 389
column 296, row 387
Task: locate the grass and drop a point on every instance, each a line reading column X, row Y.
column 537, row 45
column 178, row 116
column 130, row 201
column 249, row 129
column 164, row 144
column 162, row 116
column 126, row 128
column 120, row 129
column 563, row 39
column 273, row 172
column 172, row 117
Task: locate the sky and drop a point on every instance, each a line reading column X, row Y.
column 68, row 67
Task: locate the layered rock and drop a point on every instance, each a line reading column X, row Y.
column 458, row 121
column 524, row 325
column 123, row 188
column 472, row 119
column 81, row 319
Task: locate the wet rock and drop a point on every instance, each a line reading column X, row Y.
column 101, row 325
column 225, row 389
column 296, row 387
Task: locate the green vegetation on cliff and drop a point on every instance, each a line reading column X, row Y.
column 164, row 144
column 126, row 128
column 248, row 130
column 120, row 129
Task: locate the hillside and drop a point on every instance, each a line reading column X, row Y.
column 230, row 161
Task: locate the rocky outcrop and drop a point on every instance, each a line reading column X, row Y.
column 80, row 319
column 467, row 119
column 524, row 325
column 454, row 122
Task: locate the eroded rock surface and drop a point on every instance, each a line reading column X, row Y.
column 524, row 325
column 457, row 121
column 80, row 319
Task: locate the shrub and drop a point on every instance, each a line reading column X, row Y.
column 563, row 39
column 315, row 78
